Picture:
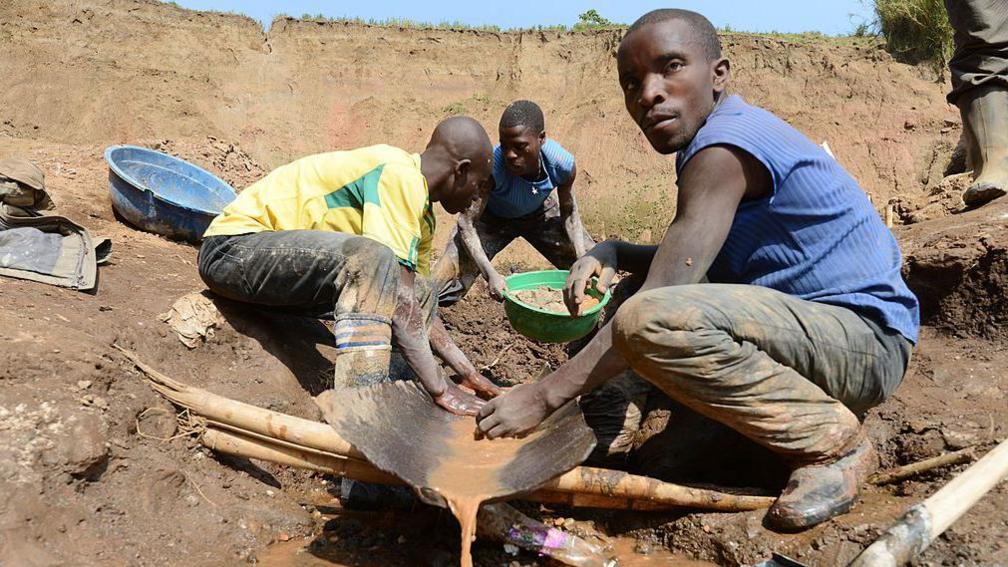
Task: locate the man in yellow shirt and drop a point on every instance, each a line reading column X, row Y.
column 348, row 230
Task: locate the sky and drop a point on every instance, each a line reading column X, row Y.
column 831, row 17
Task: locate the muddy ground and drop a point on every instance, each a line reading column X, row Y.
column 93, row 465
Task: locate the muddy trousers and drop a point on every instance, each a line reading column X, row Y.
column 981, row 45
column 354, row 277
column 544, row 229
column 788, row 374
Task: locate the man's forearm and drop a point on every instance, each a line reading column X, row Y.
column 474, row 246
column 589, row 369
column 688, row 250
column 575, row 230
column 410, row 334
column 634, row 258
column 445, row 348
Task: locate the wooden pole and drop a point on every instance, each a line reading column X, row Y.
column 618, row 484
column 922, row 523
column 236, row 444
column 246, row 417
column 306, row 438
column 907, row 471
column 239, row 445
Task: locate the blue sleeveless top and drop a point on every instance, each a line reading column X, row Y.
column 816, row 236
column 513, row 196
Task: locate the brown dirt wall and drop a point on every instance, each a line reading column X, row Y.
column 95, row 469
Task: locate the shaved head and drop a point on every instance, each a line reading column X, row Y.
column 458, row 161
column 701, row 28
column 463, row 138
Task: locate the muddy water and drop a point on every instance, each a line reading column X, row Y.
column 470, row 474
column 298, row 553
column 624, row 551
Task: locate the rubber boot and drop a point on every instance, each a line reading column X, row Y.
column 985, row 119
column 822, row 490
column 363, row 350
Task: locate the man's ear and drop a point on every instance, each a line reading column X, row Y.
column 461, row 170
column 722, row 72
column 542, row 137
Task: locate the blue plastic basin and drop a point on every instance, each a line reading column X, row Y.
column 163, row 194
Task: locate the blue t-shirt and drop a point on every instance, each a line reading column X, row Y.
column 513, row 196
column 816, row 236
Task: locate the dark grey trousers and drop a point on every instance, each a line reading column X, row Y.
column 788, row 374
column 354, row 277
column 981, row 44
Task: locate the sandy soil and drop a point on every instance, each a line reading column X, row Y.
column 551, row 299
column 93, row 464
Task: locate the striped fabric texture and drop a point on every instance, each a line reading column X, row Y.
column 360, row 332
column 817, row 235
column 513, row 197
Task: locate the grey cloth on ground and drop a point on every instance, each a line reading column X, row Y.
column 29, row 249
column 36, row 244
column 981, row 44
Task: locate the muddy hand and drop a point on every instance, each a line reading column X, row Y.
column 599, row 262
column 458, row 401
column 514, row 413
column 497, row 285
column 483, row 387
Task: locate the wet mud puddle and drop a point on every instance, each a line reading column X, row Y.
column 326, row 550
column 470, row 473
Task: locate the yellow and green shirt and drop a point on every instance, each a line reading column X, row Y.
column 377, row 192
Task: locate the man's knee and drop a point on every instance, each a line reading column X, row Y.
column 656, row 317
column 219, row 271
column 371, row 259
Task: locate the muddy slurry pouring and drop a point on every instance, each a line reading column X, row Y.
column 440, row 456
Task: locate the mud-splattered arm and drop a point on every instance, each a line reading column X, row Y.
column 473, row 245
column 410, row 334
column 570, row 214
column 711, row 186
column 446, row 349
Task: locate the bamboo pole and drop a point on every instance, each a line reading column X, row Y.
column 303, row 436
column 907, row 471
column 246, row 417
column 924, row 522
column 238, row 445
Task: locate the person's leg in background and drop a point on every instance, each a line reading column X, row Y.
column 455, row 271
column 979, row 69
column 547, row 234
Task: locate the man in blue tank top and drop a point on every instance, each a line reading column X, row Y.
column 532, row 197
column 806, row 322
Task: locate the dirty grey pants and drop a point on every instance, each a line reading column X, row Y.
column 788, row 374
column 354, row 277
column 981, row 44
column 456, row 270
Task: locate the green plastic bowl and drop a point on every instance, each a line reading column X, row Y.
column 548, row 326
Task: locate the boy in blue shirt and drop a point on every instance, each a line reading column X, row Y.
column 806, row 322
column 532, row 197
